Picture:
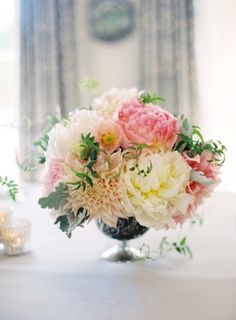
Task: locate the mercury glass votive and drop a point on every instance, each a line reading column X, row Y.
column 5, row 217
column 16, row 236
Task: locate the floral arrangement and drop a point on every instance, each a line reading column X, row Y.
column 125, row 157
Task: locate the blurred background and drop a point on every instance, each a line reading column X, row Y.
column 182, row 49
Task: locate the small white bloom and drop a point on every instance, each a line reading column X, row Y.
column 111, row 101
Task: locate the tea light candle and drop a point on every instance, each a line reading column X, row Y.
column 16, row 236
column 5, row 217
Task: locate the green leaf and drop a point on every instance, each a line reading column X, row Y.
column 77, row 220
column 94, row 174
column 63, row 223
column 11, row 186
column 78, row 174
column 151, row 97
column 55, row 200
column 89, row 181
column 198, row 133
column 189, row 251
column 83, row 185
column 199, row 177
column 183, row 241
column 69, row 221
column 178, row 249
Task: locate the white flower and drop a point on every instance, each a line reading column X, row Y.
column 156, row 197
column 111, row 101
column 83, row 122
column 62, row 138
column 60, row 141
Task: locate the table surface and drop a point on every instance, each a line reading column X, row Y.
column 66, row 279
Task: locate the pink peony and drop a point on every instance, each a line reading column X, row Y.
column 108, row 134
column 147, row 124
column 54, row 173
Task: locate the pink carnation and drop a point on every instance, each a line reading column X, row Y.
column 148, row 124
column 204, row 164
column 54, row 173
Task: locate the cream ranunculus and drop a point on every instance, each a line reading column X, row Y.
column 156, row 197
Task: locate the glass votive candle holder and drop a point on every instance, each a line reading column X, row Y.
column 5, row 218
column 16, row 236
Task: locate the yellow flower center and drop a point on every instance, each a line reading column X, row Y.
column 108, row 138
column 76, row 149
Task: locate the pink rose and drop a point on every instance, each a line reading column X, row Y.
column 53, row 175
column 151, row 125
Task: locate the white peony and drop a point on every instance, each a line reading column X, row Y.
column 111, row 101
column 62, row 138
column 156, row 197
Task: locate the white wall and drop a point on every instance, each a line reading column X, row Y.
column 111, row 63
column 216, row 67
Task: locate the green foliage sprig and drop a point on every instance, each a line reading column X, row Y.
column 197, row 219
column 194, row 147
column 166, row 246
column 181, row 246
column 57, row 200
column 91, row 84
column 151, row 97
column 88, row 151
column 40, row 147
column 11, row 186
column 142, row 172
column 134, row 152
column 190, row 139
column 70, row 221
column 42, row 143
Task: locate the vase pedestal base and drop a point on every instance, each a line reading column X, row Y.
column 123, row 253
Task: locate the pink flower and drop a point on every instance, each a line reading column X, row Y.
column 54, row 173
column 109, row 135
column 204, row 164
column 151, row 125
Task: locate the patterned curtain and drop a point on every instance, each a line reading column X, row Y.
column 167, row 52
column 48, row 64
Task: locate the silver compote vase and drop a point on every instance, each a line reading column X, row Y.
column 125, row 230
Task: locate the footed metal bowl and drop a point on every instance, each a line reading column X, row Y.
column 125, row 230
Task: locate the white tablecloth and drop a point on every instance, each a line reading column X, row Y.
column 66, row 279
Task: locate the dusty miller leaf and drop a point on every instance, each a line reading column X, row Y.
column 56, row 199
